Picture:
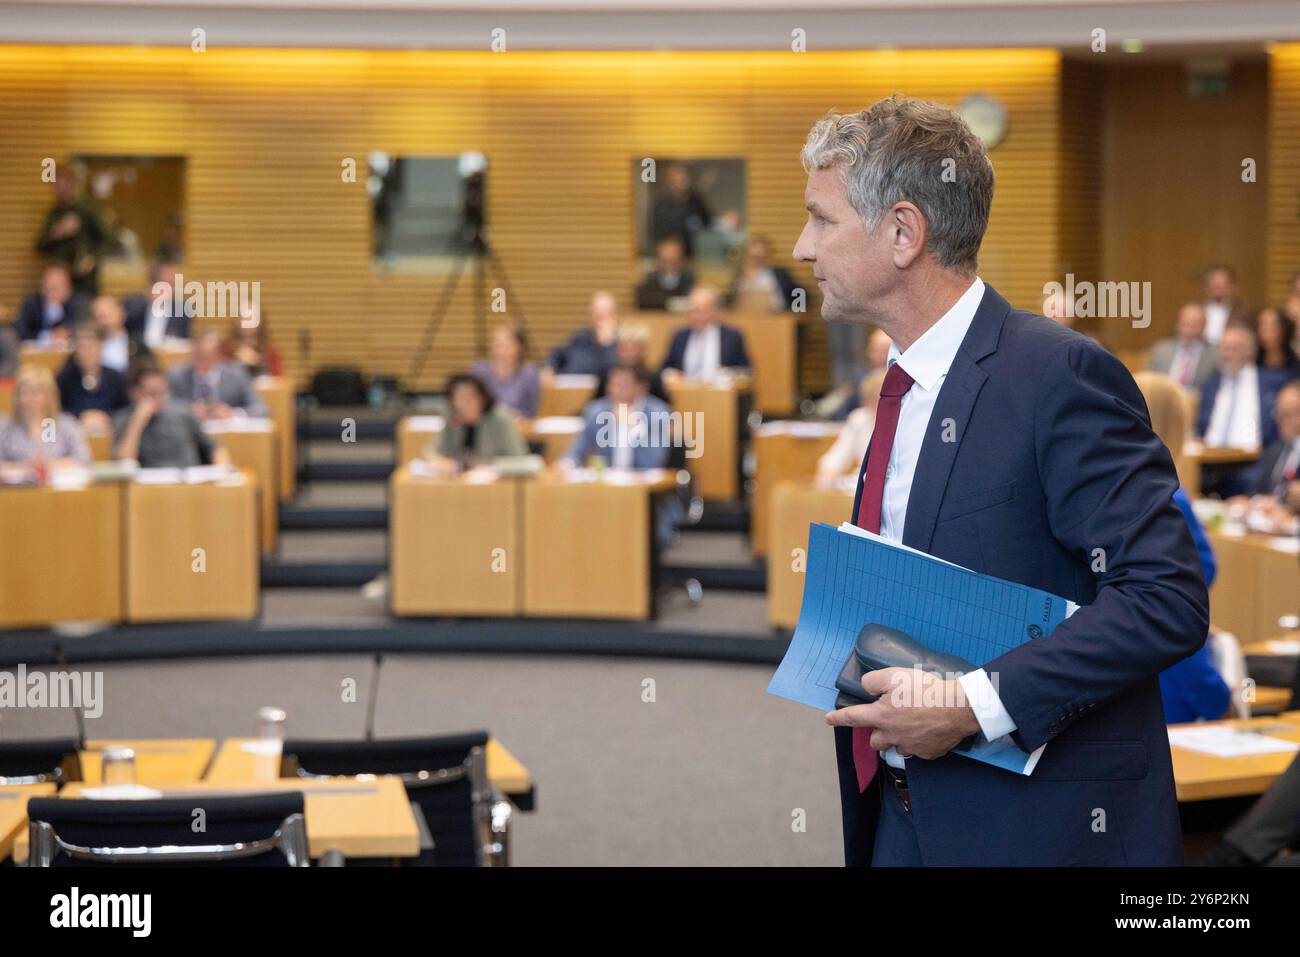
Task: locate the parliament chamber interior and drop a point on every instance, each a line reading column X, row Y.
column 429, row 406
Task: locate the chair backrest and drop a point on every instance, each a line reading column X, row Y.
column 248, row 830
column 35, row 762
column 446, row 776
column 1230, row 662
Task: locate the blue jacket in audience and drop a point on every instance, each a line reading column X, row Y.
column 1193, row 688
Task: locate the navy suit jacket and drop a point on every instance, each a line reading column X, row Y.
column 1270, row 383
column 31, row 315
column 137, row 308
column 1054, row 458
column 732, row 348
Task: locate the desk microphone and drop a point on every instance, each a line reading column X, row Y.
column 374, row 696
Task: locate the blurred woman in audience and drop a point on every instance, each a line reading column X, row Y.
column 88, row 388
column 250, row 345
column 850, row 447
column 1192, row 689
column 509, row 376
column 477, row 430
column 1275, row 331
column 633, row 344
column 40, row 434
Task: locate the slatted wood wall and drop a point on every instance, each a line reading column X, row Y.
column 265, row 133
column 1282, row 174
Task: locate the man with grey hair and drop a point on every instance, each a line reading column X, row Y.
column 1011, row 445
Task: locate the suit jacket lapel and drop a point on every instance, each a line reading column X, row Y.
column 946, row 429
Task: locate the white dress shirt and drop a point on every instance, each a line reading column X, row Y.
column 1234, row 420
column 703, row 357
column 117, row 352
column 1216, row 320
column 927, row 361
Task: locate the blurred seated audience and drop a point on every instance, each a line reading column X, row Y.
column 837, row 405
column 1185, row 356
column 509, row 376
column 89, row 389
column 631, row 429
column 477, row 428
column 850, row 448
column 668, row 280
column 40, row 433
column 249, row 344
column 215, row 388
column 705, row 345
column 628, row 428
column 759, row 283
column 592, row 350
column 48, row 315
column 160, row 433
column 1219, row 299
column 1192, row 689
column 1235, row 400
column 1273, row 486
column 156, row 316
column 1275, row 331
column 634, row 349
column 120, row 347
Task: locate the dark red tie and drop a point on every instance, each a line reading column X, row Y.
column 897, row 382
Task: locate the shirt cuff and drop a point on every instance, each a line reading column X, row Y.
column 984, row 701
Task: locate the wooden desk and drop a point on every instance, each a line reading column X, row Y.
column 54, row 359
column 1199, row 776
column 783, row 451
column 252, row 444
column 62, row 558
column 159, row 762
column 361, row 817
column 280, row 406
column 1195, row 455
column 716, row 413
column 565, row 394
column 415, row 432
column 235, row 765
column 13, row 813
column 603, row 574
column 164, row 524
column 771, row 339
column 795, row 505
column 1255, row 585
column 454, row 546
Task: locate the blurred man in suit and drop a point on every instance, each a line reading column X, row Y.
column 593, row 350
column 630, row 429
column 1185, row 356
column 705, row 345
column 159, row 433
column 1219, row 299
column 1278, row 469
column 1018, row 448
column 120, row 347
column 158, row 316
column 215, row 388
column 668, row 280
column 49, row 314
column 1237, row 400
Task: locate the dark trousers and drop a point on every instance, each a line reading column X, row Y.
column 1273, row 824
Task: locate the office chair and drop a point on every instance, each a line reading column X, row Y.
column 56, row 760
column 465, row 822
column 266, row 830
